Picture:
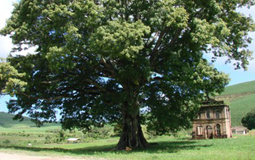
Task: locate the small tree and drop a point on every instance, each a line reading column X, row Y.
column 249, row 120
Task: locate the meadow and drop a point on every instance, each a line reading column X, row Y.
column 14, row 140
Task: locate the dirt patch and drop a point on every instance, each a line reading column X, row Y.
column 8, row 156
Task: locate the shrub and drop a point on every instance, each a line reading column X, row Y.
column 249, row 120
column 98, row 133
column 60, row 136
column 48, row 139
column 117, row 129
column 7, row 141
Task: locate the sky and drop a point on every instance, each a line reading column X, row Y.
column 236, row 76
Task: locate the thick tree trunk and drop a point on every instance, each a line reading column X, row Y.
column 132, row 135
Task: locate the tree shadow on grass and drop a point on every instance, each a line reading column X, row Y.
column 173, row 147
column 159, row 147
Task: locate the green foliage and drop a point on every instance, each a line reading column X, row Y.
column 6, row 141
column 59, row 135
column 48, row 139
column 100, row 61
column 10, row 82
column 249, row 120
column 99, row 133
column 117, row 129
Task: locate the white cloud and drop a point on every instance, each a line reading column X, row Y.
column 6, row 45
column 5, row 11
column 6, row 8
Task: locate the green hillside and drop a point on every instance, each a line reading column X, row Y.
column 241, row 98
column 247, row 87
column 6, row 121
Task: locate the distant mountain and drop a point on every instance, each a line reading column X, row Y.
column 241, row 98
column 6, row 121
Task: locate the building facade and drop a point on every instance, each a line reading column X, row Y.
column 213, row 121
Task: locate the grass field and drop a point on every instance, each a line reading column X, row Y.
column 240, row 88
column 167, row 147
column 15, row 139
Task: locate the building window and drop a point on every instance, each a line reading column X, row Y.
column 217, row 115
column 199, row 130
column 218, row 132
column 199, row 116
column 208, row 114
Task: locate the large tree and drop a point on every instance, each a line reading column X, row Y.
column 129, row 61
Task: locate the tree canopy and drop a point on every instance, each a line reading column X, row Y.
column 249, row 120
column 10, row 83
column 130, row 62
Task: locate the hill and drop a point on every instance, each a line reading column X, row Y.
column 6, row 121
column 241, row 98
column 246, row 87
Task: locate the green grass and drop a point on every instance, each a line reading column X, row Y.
column 239, row 108
column 240, row 88
column 240, row 147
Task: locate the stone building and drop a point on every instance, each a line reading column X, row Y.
column 213, row 121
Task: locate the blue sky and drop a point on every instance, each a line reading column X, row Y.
column 237, row 76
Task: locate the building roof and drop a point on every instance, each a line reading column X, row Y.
column 213, row 103
column 239, row 128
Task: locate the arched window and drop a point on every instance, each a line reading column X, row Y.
column 218, row 130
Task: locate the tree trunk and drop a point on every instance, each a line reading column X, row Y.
column 132, row 135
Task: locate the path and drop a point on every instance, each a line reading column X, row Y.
column 8, row 156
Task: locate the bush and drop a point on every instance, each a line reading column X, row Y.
column 117, row 129
column 60, row 136
column 249, row 120
column 7, row 141
column 48, row 139
column 98, row 133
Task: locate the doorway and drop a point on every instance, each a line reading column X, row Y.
column 209, row 132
